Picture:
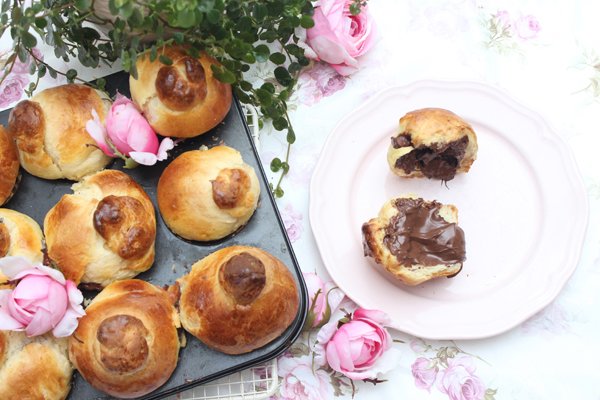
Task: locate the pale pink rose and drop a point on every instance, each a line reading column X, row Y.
column 300, row 382
column 293, row 222
column 339, row 37
column 323, row 299
column 459, row 381
column 12, row 89
column 424, row 371
column 41, row 301
column 503, row 19
column 129, row 133
column 318, row 82
column 360, row 348
column 527, row 27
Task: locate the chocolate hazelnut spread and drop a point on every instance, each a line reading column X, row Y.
column 438, row 161
column 419, row 235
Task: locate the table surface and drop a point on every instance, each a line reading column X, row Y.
column 553, row 68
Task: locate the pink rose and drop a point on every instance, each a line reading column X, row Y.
column 339, row 37
column 527, row 27
column 300, row 382
column 459, row 381
column 293, row 223
column 424, row 371
column 41, row 301
column 322, row 300
column 12, row 88
column 503, row 19
column 128, row 133
column 360, row 348
column 23, row 67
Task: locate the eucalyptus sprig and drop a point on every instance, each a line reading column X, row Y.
column 238, row 33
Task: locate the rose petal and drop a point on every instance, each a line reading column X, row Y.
column 143, row 158
column 166, row 145
column 141, row 136
column 374, row 315
column 32, row 287
column 57, row 302
column 7, row 322
column 75, row 297
column 11, row 266
column 67, row 324
column 20, row 314
column 40, row 324
column 97, row 131
column 385, row 363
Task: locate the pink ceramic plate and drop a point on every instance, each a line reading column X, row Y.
column 522, row 206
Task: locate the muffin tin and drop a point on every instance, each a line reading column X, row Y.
column 174, row 256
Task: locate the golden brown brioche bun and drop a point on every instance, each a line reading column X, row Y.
column 104, row 231
column 183, row 99
column 238, row 299
column 20, row 236
column 50, row 133
column 433, row 143
column 9, row 166
column 127, row 344
column 207, row 194
column 34, row 368
column 415, row 253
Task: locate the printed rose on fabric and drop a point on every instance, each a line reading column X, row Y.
column 318, row 82
column 459, row 381
column 527, row 27
column 23, row 67
column 339, row 37
column 126, row 133
column 425, row 372
column 12, row 89
column 300, row 382
column 293, row 222
column 360, row 348
column 323, row 298
column 41, row 300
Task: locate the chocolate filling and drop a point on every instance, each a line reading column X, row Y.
column 419, row 235
column 438, row 161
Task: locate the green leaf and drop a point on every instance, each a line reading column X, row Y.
column 153, row 53
column 283, row 76
column 28, row 40
column 83, row 5
column 41, row 23
column 277, row 58
column 71, row 74
column 262, row 53
column 245, row 86
column 260, row 11
column 278, row 192
column 223, row 74
column 52, row 73
column 165, row 60
column 265, row 98
column 275, row 164
column 280, row 123
column 291, row 136
column 269, row 87
column 307, row 22
column 185, row 19
column 41, row 71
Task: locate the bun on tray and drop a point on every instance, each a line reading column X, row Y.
column 433, row 143
column 9, row 166
column 415, row 240
column 34, row 368
column 127, row 344
column 50, row 133
column 104, row 231
column 183, row 99
column 238, row 299
column 20, row 236
column 207, row 194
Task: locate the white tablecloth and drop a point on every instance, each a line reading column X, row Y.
column 552, row 66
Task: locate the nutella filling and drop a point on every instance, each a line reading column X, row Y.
column 438, row 161
column 419, row 235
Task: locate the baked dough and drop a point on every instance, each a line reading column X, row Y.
column 183, row 99
column 207, row 194
column 34, row 368
column 238, row 299
column 104, row 231
column 20, row 236
column 50, row 133
column 127, row 344
column 433, row 143
column 9, row 166
column 415, row 240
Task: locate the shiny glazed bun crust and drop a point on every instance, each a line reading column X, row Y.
column 104, row 231
column 20, row 236
column 50, row 133
column 207, row 194
column 34, row 368
column 183, row 99
column 127, row 344
column 9, row 166
column 238, row 299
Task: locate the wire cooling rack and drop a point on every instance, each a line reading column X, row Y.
column 255, row 383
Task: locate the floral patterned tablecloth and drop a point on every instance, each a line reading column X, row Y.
column 546, row 55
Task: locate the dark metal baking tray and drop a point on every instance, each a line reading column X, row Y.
column 198, row 364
